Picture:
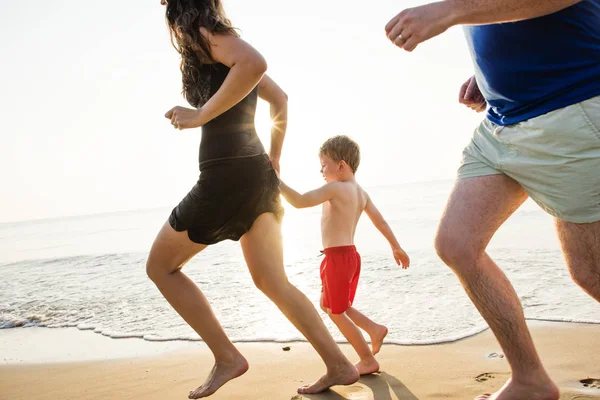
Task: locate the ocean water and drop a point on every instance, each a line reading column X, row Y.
column 89, row 272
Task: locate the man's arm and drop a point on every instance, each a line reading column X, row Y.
column 480, row 12
column 416, row 25
column 309, row 199
column 247, row 67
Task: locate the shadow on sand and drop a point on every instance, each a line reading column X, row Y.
column 380, row 386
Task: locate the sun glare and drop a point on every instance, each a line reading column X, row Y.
column 263, row 123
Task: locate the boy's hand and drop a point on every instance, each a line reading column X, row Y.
column 401, row 257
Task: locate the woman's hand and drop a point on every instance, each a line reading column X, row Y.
column 185, row 118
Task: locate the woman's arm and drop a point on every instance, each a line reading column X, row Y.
column 269, row 91
column 247, row 67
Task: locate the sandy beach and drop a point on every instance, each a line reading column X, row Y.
column 71, row 364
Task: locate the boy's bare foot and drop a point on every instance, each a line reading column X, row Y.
column 367, row 367
column 220, row 374
column 516, row 391
column 377, row 337
column 346, row 375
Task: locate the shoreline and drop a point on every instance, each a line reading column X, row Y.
column 458, row 370
column 89, row 345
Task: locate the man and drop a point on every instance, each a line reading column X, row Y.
column 537, row 67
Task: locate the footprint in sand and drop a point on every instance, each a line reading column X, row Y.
column 591, row 383
column 484, row 377
column 355, row 392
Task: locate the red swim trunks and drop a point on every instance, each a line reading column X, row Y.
column 340, row 270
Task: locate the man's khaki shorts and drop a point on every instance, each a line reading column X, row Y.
column 555, row 157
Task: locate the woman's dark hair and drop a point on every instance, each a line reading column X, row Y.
column 185, row 18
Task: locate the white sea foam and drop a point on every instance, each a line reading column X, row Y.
column 89, row 273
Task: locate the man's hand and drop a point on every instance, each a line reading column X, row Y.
column 471, row 97
column 416, row 25
column 185, row 118
column 401, row 257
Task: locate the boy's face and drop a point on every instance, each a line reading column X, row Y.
column 329, row 168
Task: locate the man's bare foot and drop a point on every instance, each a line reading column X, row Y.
column 220, row 374
column 346, row 375
column 367, row 367
column 517, row 391
column 377, row 337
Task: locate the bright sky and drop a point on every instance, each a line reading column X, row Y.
column 85, row 86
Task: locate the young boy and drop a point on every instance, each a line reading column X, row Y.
column 343, row 203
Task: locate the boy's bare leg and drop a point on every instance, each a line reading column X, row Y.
column 170, row 251
column 376, row 332
column 367, row 364
column 263, row 251
column 476, row 209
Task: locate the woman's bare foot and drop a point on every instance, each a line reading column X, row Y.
column 346, row 375
column 518, row 391
column 220, row 374
column 367, row 367
column 377, row 337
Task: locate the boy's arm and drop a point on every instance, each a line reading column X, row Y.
column 382, row 226
column 309, row 199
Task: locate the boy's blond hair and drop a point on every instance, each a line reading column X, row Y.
column 342, row 148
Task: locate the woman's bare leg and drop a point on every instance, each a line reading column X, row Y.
column 263, row 251
column 170, row 251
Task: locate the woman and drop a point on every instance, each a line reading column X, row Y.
column 237, row 195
